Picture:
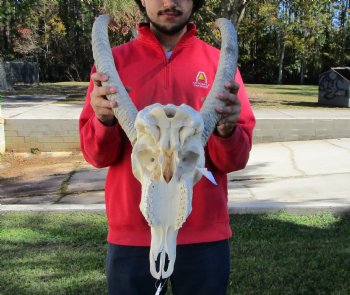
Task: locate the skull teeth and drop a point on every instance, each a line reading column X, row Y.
column 183, row 204
column 148, row 204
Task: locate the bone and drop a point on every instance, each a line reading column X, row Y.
column 225, row 73
column 169, row 140
column 126, row 111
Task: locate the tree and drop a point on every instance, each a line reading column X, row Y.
column 234, row 10
column 4, row 85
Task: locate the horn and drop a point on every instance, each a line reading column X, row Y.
column 226, row 72
column 125, row 111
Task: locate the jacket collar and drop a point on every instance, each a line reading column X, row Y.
column 147, row 36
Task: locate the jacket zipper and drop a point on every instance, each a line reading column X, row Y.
column 167, row 69
column 166, row 72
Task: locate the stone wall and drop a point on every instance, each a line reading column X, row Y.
column 274, row 130
column 49, row 135
column 46, row 135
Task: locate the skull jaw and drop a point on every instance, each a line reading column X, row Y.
column 165, row 206
column 162, row 254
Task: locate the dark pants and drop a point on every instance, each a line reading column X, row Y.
column 199, row 269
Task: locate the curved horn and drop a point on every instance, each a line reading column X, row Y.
column 125, row 111
column 226, row 72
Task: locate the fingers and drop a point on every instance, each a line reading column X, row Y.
column 102, row 107
column 232, row 87
column 97, row 78
column 231, row 110
column 232, row 104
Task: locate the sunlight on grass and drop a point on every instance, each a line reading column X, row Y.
column 69, row 83
column 282, row 96
column 323, row 221
column 43, row 253
column 64, row 253
column 260, row 95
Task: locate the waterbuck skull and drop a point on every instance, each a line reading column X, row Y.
column 168, row 144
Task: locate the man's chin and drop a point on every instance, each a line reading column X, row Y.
column 169, row 30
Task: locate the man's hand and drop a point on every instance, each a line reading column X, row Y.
column 102, row 107
column 229, row 113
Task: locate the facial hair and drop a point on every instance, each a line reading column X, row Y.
column 169, row 31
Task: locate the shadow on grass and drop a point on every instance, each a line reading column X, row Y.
column 295, row 91
column 287, row 254
column 64, row 253
column 52, row 253
column 42, row 93
column 308, row 104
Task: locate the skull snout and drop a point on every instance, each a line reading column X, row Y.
column 162, row 262
column 163, row 251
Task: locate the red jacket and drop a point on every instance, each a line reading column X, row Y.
column 185, row 78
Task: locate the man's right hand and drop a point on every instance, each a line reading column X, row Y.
column 102, row 107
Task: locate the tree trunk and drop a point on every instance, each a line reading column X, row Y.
column 3, row 81
column 302, row 70
column 234, row 10
column 282, row 47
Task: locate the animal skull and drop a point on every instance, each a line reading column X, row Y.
column 165, row 158
column 168, row 145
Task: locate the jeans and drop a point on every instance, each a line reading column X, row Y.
column 201, row 269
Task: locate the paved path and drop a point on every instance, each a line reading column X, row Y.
column 34, row 107
column 300, row 177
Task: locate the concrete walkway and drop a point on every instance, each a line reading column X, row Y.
column 298, row 177
column 34, row 107
column 35, row 122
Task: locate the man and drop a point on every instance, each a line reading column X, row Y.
column 167, row 64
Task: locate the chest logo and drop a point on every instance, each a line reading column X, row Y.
column 201, row 80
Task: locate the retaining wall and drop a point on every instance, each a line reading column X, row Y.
column 46, row 135
column 49, row 135
column 295, row 129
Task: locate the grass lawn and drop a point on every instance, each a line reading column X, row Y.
column 73, row 91
column 283, row 96
column 261, row 95
column 64, row 253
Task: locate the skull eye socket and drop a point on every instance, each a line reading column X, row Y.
column 147, row 158
column 188, row 161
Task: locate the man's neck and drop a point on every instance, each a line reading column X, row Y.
column 168, row 42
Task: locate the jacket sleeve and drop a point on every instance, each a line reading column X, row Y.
column 101, row 145
column 232, row 153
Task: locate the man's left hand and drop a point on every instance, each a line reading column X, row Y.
column 230, row 112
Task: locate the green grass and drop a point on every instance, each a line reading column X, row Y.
column 42, row 253
column 283, row 96
column 261, row 95
column 64, row 253
column 73, row 91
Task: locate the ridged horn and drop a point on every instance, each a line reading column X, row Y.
column 125, row 111
column 226, row 72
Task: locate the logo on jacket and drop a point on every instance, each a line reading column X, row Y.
column 201, row 80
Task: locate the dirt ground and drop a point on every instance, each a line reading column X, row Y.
column 29, row 166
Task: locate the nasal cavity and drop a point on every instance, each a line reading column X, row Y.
column 168, row 170
column 162, row 265
column 170, row 112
